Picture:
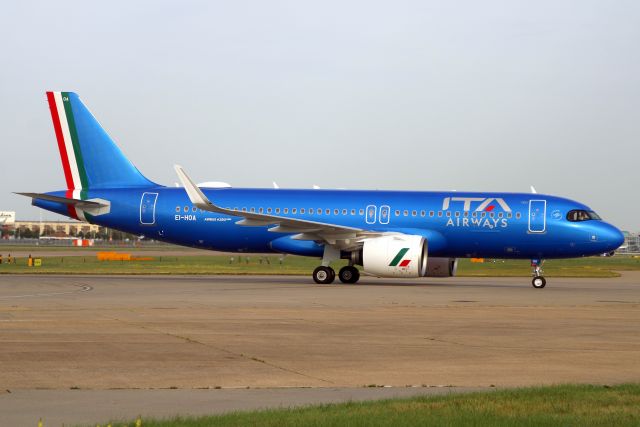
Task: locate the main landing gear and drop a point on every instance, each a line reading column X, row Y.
column 538, row 281
column 324, row 274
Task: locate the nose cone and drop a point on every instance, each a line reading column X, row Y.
column 610, row 236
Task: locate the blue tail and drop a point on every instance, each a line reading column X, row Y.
column 90, row 158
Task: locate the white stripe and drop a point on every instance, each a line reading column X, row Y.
column 68, row 144
column 79, row 212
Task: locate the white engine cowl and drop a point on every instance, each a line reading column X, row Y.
column 442, row 267
column 399, row 255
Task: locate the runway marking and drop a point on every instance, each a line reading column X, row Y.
column 83, row 288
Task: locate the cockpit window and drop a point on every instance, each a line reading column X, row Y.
column 580, row 215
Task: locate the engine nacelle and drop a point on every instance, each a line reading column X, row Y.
column 442, row 267
column 399, row 255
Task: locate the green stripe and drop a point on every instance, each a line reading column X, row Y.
column 398, row 257
column 74, row 139
column 84, row 195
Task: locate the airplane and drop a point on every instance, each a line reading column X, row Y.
column 392, row 234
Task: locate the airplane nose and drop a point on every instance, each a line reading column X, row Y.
column 611, row 236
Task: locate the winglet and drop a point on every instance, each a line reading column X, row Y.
column 196, row 195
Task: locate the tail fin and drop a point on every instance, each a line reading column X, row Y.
column 90, row 158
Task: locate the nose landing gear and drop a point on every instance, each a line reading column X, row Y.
column 538, row 281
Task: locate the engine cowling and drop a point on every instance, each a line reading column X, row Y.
column 399, row 255
column 442, row 267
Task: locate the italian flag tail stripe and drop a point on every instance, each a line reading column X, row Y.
column 68, row 142
column 69, row 145
column 74, row 141
column 61, row 145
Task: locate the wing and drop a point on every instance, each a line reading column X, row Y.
column 340, row 236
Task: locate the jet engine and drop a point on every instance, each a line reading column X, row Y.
column 442, row 267
column 399, row 255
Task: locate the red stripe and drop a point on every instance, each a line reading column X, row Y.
column 63, row 151
column 70, row 208
column 404, row 263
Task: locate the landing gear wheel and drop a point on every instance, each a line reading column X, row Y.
column 324, row 275
column 539, row 282
column 349, row 274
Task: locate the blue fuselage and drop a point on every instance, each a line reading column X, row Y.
column 455, row 224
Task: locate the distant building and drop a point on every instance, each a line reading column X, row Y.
column 631, row 243
column 7, row 218
column 57, row 228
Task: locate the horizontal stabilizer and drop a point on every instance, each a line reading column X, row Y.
column 93, row 206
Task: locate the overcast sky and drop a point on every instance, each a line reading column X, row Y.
column 410, row 95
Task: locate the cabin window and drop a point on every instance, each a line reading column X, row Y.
column 518, row 215
column 235, row 209
column 509, row 215
column 194, row 209
column 353, row 211
column 301, row 210
column 294, row 210
column 397, row 213
column 483, row 214
column 448, row 214
column 286, row 210
column 244, row 209
column 414, row 213
column 457, row 214
column 336, row 212
column 268, row 210
column 311, row 211
column 261, row 210
column 500, row 214
column 277, row 210
column 327, row 211
column 177, row 208
column 439, row 213
column 186, row 209
column 344, row 211
column 253, row 209
column 406, row 213
column 491, row 214
column 578, row 215
column 465, row 214
column 319, row 211
column 361, row 211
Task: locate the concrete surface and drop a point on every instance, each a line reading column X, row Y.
column 101, row 333
column 88, row 407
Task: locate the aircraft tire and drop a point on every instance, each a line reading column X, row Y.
column 349, row 274
column 324, row 275
column 539, row 282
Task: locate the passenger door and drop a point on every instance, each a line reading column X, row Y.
column 537, row 216
column 148, row 208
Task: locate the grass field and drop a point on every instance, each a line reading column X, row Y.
column 273, row 264
column 566, row 405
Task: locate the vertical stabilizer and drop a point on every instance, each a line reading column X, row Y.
column 90, row 158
